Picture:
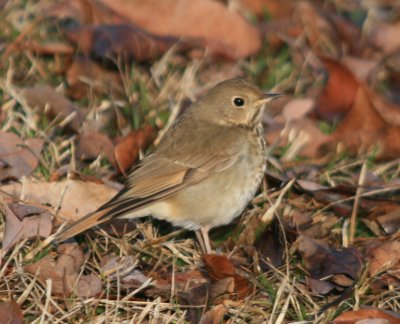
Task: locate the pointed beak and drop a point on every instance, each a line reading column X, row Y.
column 268, row 97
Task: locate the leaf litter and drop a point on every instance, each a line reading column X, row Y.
column 119, row 77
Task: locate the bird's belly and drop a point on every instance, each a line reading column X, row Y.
column 215, row 201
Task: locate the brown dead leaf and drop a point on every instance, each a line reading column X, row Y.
column 214, row 316
column 383, row 257
column 206, row 293
column 42, row 96
column 274, row 29
column 319, row 31
column 18, row 158
column 339, row 93
column 69, row 200
column 127, row 148
column 11, row 313
column 224, row 32
column 24, row 221
column 115, row 267
column 390, row 221
column 319, row 287
column 363, row 127
column 322, row 261
column 297, row 108
column 91, row 144
column 358, row 316
column 275, row 8
column 385, row 36
column 85, row 12
column 64, row 273
column 134, row 279
column 360, row 67
column 349, row 34
column 113, row 41
column 183, row 282
column 220, row 267
column 388, row 110
column 84, row 76
column 270, row 248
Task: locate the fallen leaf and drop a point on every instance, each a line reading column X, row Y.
column 71, row 257
column 319, row 31
column 24, row 221
column 269, row 247
column 42, row 96
column 207, row 293
column 297, row 108
column 383, row 257
column 363, row 127
column 339, row 93
column 183, row 282
column 390, row 222
column 19, row 158
column 134, row 279
column 357, row 316
column 322, row 261
column 115, row 267
column 113, row 41
column 214, row 316
column 68, row 200
column 350, row 35
column 389, row 111
column 11, row 313
column 385, row 36
column 84, row 76
column 64, row 273
column 88, row 286
column 223, row 31
column 127, row 148
column 360, row 67
column 319, row 287
column 91, row 144
column 220, row 267
column 84, row 11
column 274, row 8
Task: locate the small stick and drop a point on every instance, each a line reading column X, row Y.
column 360, row 189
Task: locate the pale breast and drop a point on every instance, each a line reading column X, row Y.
column 223, row 196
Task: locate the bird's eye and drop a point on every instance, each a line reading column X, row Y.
column 237, row 101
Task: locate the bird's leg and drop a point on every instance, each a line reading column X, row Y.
column 200, row 240
column 206, row 239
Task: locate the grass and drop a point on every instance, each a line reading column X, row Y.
column 280, row 294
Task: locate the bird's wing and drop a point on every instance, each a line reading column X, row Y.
column 157, row 177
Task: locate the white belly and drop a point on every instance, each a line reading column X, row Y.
column 215, row 201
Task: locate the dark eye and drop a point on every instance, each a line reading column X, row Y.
column 237, row 101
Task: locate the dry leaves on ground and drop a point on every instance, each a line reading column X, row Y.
column 68, row 200
column 11, row 313
column 64, row 273
column 24, row 221
column 18, row 158
column 341, row 267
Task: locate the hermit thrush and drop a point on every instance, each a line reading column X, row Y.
column 205, row 170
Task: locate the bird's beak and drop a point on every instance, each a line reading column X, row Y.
column 268, row 97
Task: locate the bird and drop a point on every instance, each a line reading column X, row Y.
column 205, row 170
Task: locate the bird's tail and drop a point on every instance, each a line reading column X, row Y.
column 90, row 220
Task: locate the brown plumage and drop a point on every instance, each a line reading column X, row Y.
column 205, row 170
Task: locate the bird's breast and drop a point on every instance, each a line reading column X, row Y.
column 221, row 197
